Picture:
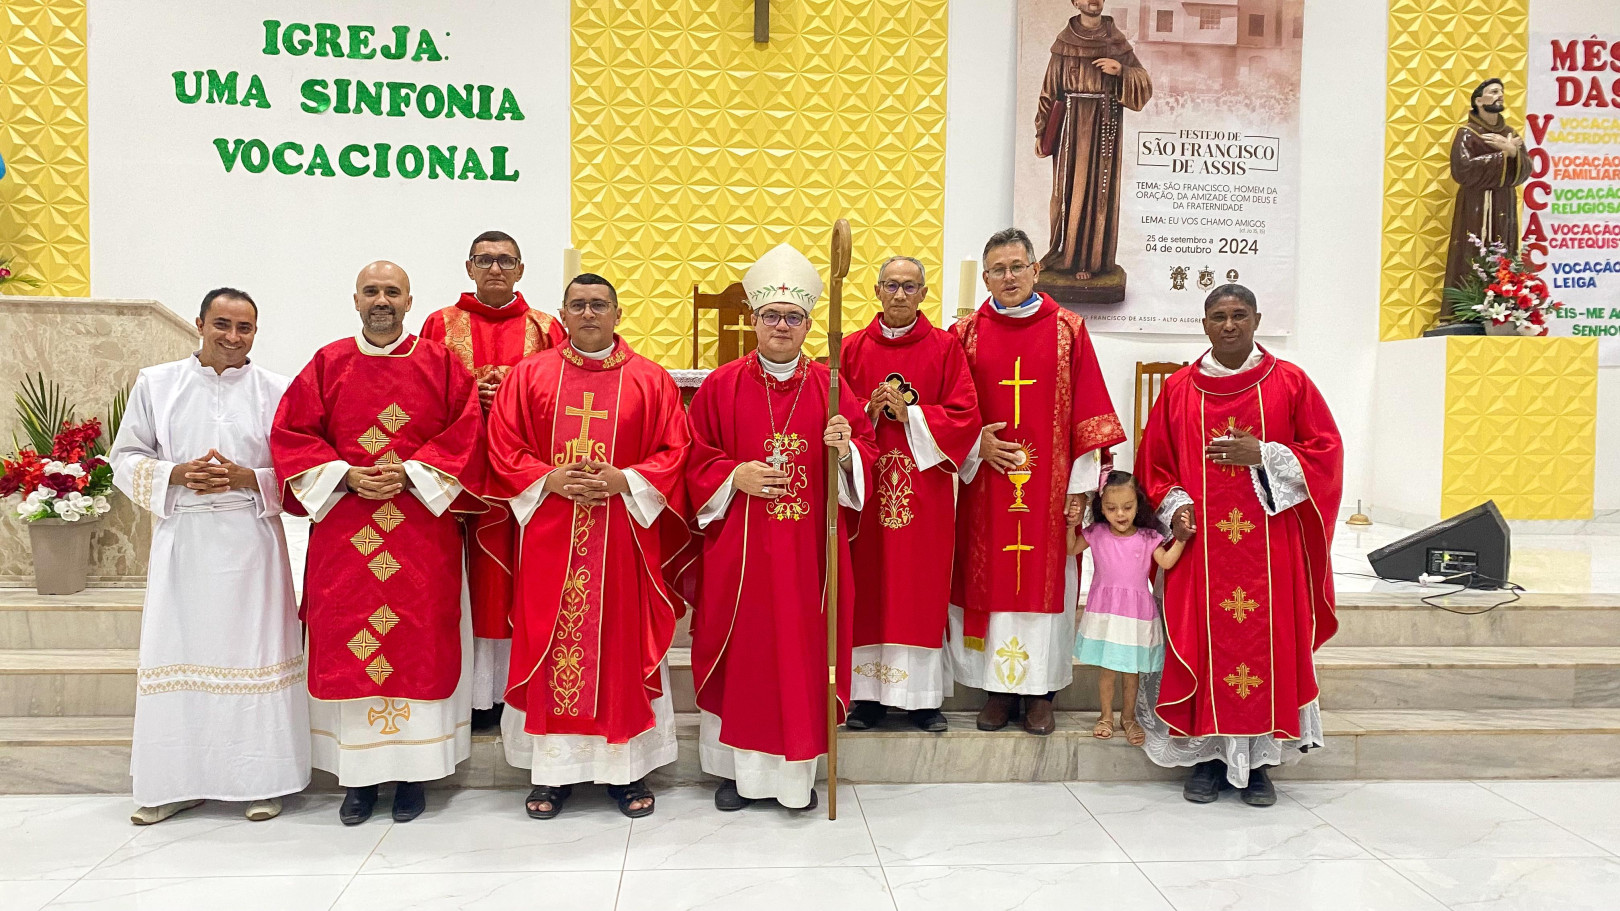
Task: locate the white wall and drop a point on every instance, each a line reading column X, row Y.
column 1342, row 137
column 167, row 222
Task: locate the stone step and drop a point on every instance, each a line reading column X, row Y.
column 94, row 618
column 77, row 682
column 78, row 755
column 1555, row 619
column 110, row 618
column 67, row 682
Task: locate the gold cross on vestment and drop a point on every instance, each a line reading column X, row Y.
column 390, row 714
column 1243, row 681
column 1018, row 549
column 585, row 414
column 1235, row 526
column 1018, row 382
column 1012, row 656
column 1239, row 604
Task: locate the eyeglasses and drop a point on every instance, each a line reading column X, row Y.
column 578, row 308
column 507, row 263
column 1004, row 271
column 774, row 318
column 909, row 288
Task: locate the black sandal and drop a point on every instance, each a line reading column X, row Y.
column 627, row 794
column 547, row 794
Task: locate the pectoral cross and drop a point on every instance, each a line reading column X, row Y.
column 1018, row 549
column 1018, row 382
column 777, row 459
column 1243, row 681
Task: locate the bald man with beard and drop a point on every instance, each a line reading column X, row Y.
column 378, row 441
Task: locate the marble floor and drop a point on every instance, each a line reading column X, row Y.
column 1359, row 846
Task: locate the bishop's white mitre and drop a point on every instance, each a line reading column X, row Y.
column 782, row 276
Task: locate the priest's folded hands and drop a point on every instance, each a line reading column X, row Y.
column 587, row 482
column 377, row 482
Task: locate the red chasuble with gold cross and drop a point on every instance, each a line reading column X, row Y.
column 1252, row 597
column 1039, row 375
column 382, row 580
column 903, row 552
column 759, row 637
column 593, row 617
column 489, row 341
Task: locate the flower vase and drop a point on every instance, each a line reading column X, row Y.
column 1507, row 328
column 61, row 554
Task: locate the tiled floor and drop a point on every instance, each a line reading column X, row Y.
column 1366, row 846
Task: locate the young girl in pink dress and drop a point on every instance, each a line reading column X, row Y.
column 1120, row 631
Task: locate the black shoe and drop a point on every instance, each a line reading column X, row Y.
column 1204, row 782
column 727, row 799
column 486, row 719
column 357, row 805
column 863, row 715
column 931, row 720
column 410, row 799
column 1260, row 792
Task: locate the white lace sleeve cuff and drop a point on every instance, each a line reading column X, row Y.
column 717, row 505
column 1284, row 475
column 643, row 500
column 320, row 488
column 923, row 448
column 433, row 487
column 1173, row 501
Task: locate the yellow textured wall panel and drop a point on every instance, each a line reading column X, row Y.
column 1521, row 426
column 44, row 110
column 1438, row 51
column 696, row 150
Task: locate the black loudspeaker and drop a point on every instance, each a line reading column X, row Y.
column 1474, row 542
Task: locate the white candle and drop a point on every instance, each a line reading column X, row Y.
column 967, row 285
column 570, row 263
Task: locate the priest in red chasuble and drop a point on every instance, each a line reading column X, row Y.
column 1241, row 449
column 489, row 331
column 758, row 479
column 588, row 442
column 1046, row 412
column 920, row 399
column 380, row 442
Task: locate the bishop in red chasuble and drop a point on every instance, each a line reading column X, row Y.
column 758, row 476
column 1046, row 410
column 379, row 441
column 1241, row 447
column 917, row 391
column 489, row 331
column 588, row 443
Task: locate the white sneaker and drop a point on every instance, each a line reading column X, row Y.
column 261, row 810
column 146, row 816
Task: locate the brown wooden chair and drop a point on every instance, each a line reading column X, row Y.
column 1150, row 377
column 736, row 337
